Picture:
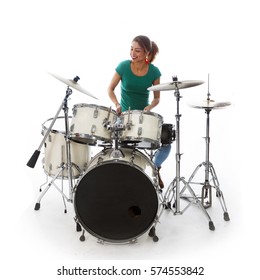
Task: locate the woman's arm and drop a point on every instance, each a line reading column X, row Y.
column 156, row 97
column 111, row 91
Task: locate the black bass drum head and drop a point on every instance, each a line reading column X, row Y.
column 116, row 202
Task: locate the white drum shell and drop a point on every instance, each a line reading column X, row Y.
column 130, row 157
column 141, row 126
column 89, row 123
column 55, row 152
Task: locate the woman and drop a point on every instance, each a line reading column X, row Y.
column 136, row 75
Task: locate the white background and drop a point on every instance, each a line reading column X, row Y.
column 89, row 39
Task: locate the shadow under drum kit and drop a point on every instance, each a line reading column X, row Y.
column 115, row 193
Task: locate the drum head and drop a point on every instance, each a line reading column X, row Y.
column 116, row 202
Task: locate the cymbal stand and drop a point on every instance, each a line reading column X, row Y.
column 173, row 191
column 67, row 165
column 206, row 194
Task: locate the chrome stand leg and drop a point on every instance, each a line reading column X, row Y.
column 206, row 194
column 210, row 176
column 191, row 198
column 59, row 189
column 52, row 183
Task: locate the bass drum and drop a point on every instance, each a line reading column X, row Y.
column 116, row 199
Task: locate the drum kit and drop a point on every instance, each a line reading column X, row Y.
column 115, row 193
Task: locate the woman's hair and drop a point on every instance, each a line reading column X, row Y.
column 148, row 45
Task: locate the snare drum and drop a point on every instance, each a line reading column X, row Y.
column 91, row 123
column 141, row 126
column 55, row 151
column 116, row 198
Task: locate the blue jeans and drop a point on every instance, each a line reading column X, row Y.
column 161, row 155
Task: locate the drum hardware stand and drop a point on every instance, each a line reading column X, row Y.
column 206, row 194
column 174, row 187
column 59, row 189
column 117, row 127
column 52, row 182
column 31, row 163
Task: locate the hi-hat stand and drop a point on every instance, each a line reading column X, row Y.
column 173, row 191
column 210, row 174
column 64, row 166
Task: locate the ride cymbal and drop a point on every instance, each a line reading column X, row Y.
column 176, row 85
column 73, row 83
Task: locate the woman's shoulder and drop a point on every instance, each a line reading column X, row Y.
column 155, row 69
column 123, row 66
column 124, row 63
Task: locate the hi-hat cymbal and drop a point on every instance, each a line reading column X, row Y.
column 73, row 84
column 176, row 85
column 210, row 104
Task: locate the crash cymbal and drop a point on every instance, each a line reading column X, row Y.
column 176, row 85
column 73, row 83
column 209, row 104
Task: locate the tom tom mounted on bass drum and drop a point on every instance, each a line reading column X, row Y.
column 89, row 123
column 141, row 128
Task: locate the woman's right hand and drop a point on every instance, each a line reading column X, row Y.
column 118, row 109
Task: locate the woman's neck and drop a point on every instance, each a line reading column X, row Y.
column 139, row 68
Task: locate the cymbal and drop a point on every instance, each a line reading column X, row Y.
column 210, row 104
column 176, row 85
column 73, row 84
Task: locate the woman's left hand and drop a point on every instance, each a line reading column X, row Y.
column 147, row 108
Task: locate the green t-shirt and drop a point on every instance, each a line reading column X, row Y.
column 134, row 93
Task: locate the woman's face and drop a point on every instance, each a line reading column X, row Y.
column 137, row 53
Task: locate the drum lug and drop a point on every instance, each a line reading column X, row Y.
column 49, row 138
column 141, row 118
column 95, row 115
column 100, row 160
column 132, row 160
column 129, row 122
column 128, row 125
column 74, row 112
column 72, row 127
column 93, row 129
column 140, row 131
